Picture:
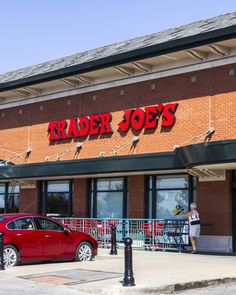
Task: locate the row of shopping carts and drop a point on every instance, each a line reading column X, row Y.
column 149, row 234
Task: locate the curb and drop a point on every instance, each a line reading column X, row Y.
column 203, row 284
column 168, row 289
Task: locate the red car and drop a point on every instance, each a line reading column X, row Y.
column 32, row 237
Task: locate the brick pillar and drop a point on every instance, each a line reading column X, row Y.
column 214, row 200
column 29, row 200
column 136, row 196
column 80, row 202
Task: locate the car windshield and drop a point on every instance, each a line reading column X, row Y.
column 2, row 219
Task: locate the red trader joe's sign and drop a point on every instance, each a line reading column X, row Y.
column 136, row 119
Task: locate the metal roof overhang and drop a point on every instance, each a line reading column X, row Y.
column 208, row 153
column 134, row 55
column 94, row 166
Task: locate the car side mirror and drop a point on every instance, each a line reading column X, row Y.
column 66, row 231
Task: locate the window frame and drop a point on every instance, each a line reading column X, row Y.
column 39, row 227
column 17, row 219
column 93, row 192
column 190, row 188
column 44, row 193
column 6, row 195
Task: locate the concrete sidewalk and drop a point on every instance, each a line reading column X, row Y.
column 154, row 272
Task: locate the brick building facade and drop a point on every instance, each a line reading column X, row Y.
column 141, row 172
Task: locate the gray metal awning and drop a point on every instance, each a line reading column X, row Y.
column 209, row 153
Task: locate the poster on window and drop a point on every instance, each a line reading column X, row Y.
column 168, row 200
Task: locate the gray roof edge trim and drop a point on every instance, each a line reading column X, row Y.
column 129, row 56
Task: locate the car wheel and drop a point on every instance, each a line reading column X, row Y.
column 10, row 256
column 84, row 252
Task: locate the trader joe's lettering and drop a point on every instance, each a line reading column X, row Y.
column 135, row 119
column 92, row 125
column 148, row 118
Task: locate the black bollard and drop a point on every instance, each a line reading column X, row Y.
column 128, row 280
column 113, row 241
column 2, row 266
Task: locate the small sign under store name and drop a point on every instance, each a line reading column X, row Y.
column 28, row 184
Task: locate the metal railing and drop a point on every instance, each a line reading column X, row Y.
column 148, row 234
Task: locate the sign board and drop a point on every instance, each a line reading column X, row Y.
column 136, row 119
column 28, row 184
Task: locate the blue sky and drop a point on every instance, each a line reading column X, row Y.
column 34, row 31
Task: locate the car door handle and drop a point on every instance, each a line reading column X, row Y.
column 48, row 237
column 19, row 235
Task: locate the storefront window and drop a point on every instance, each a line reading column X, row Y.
column 9, row 198
column 13, row 198
column 2, row 198
column 167, row 191
column 56, row 198
column 108, row 198
column 169, row 182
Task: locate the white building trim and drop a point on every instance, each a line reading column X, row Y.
column 121, row 82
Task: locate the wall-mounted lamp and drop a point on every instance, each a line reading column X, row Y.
column 79, row 145
column 135, row 139
column 28, row 150
column 210, row 130
column 176, row 146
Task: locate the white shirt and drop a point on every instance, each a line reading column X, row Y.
column 194, row 216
